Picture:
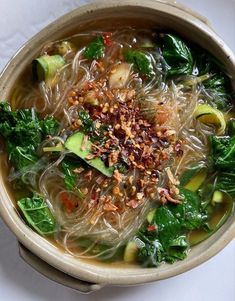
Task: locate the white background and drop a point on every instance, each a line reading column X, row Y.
column 214, row 280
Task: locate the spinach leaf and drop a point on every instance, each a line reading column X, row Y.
column 168, row 242
column 141, row 61
column 37, row 214
column 223, row 152
column 168, row 225
column 218, row 85
column 231, row 127
column 177, row 249
column 189, row 212
column 88, row 125
column 95, row 49
column 69, row 177
column 49, row 126
column 20, row 156
column 226, row 181
column 177, row 55
column 222, row 159
column 24, row 132
column 151, row 254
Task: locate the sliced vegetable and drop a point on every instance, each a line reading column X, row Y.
column 196, row 80
column 76, row 144
column 131, row 252
column 191, row 172
column 151, row 215
column 217, row 197
column 209, row 115
column 141, row 61
column 95, row 49
column 65, row 47
column 46, row 67
column 37, row 214
column 57, row 148
column 119, row 76
column 176, row 54
column 195, row 183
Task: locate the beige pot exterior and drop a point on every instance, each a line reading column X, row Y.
column 162, row 15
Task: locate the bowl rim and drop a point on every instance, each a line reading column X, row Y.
column 51, row 254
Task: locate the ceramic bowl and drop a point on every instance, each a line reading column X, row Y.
column 36, row 250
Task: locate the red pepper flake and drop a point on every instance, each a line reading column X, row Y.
column 107, row 39
column 133, row 204
column 69, row 204
column 151, row 228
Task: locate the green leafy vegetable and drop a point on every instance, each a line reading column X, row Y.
column 141, row 61
column 24, row 131
column 189, row 212
column 168, row 242
column 70, row 177
column 176, row 54
column 20, row 156
column 231, row 127
column 217, row 86
column 223, row 152
column 37, row 214
column 95, row 49
column 151, row 253
column 49, row 126
column 45, row 68
column 88, row 125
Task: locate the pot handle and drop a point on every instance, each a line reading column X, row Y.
column 186, row 9
column 56, row 275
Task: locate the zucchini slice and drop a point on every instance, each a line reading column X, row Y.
column 130, row 253
column 195, row 183
column 45, row 68
column 75, row 144
column 209, row 115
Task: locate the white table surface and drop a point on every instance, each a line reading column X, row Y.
column 213, row 280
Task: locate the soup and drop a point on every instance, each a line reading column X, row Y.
column 120, row 145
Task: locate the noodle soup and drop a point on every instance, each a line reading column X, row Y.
column 121, row 145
